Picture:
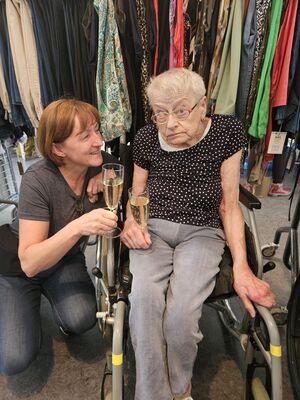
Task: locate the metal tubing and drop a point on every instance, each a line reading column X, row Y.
column 117, row 351
column 294, row 256
column 256, row 243
column 275, row 352
column 110, row 262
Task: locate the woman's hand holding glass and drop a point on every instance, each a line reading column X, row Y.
column 96, row 222
column 139, row 205
column 135, row 234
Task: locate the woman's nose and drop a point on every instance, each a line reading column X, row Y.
column 172, row 121
column 98, row 141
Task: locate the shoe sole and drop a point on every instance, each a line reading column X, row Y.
column 278, row 194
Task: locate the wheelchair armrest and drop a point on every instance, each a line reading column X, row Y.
column 248, row 199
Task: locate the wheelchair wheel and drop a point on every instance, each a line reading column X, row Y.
column 106, row 386
column 293, row 338
column 258, row 390
column 258, row 376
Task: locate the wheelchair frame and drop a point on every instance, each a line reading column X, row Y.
column 291, row 261
column 260, row 350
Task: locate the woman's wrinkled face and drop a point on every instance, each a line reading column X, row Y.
column 170, row 120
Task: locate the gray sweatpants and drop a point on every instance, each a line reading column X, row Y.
column 171, row 280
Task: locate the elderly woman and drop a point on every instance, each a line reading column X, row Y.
column 55, row 216
column 191, row 165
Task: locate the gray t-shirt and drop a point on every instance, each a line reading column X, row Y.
column 46, row 196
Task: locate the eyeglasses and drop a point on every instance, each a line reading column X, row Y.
column 79, row 206
column 180, row 114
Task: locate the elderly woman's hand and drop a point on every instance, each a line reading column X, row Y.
column 95, row 186
column 250, row 288
column 133, row 237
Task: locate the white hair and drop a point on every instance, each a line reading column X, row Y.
column 174, row 83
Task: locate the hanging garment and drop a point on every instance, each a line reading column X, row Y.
column 262, row 28
column 112, row 93
column 172, row 24
column 179, row 35
column 76, row 47
column 90, row 29
column 247, row 58
column 126, row 21
column 281, row 64
column 289, row 115
column 18, row 114
column 207, row 14
column 258, row 127
column 225, row 90
column 4, row 98
column 24, row 54
column 42, row 18
column 221, row 30
column 190, row 16
column 146, row 60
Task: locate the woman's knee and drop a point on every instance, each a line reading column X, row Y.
column 13, row 362
column 78, row 323
column 180, row 326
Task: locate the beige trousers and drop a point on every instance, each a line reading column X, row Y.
column 24, row 54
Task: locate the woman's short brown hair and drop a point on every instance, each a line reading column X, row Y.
column 57, row 124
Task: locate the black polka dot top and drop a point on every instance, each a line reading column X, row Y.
column 185, row 185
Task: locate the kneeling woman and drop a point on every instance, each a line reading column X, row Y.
column 55, row 217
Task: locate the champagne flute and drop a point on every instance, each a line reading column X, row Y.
column 113, row 178
column 139, row 203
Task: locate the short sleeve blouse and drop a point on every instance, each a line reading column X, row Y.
column 185, row 185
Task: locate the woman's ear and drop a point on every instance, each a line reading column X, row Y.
column 203, row 106
column 57, row 150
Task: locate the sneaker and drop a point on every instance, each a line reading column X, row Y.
column 250, row 187
column 277, row 190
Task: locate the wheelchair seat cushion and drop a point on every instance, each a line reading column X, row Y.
column 9, row 260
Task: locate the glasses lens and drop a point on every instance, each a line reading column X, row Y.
column 161, row 117
column 181, row 113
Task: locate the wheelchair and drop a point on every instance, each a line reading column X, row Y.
column 259, row 336
column 291, row 261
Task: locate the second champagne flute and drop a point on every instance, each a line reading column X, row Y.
column 139, row 204
column 113, row 178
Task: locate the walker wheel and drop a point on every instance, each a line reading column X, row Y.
column 258, row 390
column 268, row 250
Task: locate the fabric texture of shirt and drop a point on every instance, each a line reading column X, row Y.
column 185, row 186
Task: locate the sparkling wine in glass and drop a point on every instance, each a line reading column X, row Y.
column 139, row 203
column 113, row 178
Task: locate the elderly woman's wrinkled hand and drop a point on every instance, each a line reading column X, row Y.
column 252, row 289
column 133, row 237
